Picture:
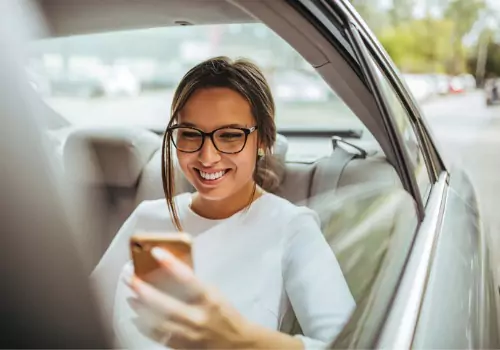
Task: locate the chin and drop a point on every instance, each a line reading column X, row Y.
column 214, row 194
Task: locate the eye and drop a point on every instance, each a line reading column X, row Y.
column 187, row 134
column 230, row 135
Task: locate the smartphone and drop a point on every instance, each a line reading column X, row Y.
column 140, row 248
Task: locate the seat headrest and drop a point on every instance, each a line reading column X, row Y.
column 280, row 148
column 279, row 152
column 118, row 155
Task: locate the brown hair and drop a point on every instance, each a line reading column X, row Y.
column 247, row 79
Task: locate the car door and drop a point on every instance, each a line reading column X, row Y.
column 368, row 325
column 446, row 298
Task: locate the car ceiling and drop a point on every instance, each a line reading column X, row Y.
column 70, row 17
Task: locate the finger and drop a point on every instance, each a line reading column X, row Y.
column 179, row 271
column 151, row 332
column 164, row 303
column 149, row 315
column 180, row 335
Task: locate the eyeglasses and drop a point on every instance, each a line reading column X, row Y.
column 227, row 140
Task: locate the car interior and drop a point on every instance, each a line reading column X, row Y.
column 123, row 167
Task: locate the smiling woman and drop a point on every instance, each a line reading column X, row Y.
column 260, row 252
column 214, row 96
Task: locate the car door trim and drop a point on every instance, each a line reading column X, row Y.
column 332, row 23
column 399, row 329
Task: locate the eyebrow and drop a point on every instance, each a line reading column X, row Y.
column 222, row 126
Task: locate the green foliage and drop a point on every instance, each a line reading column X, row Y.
column 430, row 43
column 415, row 47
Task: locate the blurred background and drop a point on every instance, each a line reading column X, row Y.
column 448, row 51
column 447, row 43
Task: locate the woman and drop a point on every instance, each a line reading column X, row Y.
column 263, row 257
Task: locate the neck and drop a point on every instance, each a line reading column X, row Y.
column 224, row 208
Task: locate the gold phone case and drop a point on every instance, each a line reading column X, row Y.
column 141, row 244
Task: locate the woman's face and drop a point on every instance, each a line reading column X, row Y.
column 216, row 175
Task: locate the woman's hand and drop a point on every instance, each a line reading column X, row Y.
column 204, row 320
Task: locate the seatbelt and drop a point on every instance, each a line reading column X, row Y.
column 332, row 167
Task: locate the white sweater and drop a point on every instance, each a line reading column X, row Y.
column 266, row 261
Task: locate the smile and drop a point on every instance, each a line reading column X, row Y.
column 212, row 176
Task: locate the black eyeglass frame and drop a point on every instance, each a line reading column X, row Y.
column 246, row 131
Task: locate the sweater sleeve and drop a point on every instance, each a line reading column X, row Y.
column 314, row 282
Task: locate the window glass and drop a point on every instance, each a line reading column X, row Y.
column 405, row 126
column 128, row 78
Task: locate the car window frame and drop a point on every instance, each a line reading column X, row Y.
column 422, row 129
column 403, row 162
column 317, row 12
column 430, row 170
column 332, row 18
column 407, row 100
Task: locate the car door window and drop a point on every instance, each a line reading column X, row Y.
column 406, row 128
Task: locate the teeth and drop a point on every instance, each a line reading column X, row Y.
column 212, row 176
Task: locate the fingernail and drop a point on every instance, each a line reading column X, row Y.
column 161, row 254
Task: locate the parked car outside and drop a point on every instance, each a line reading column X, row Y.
column 457, row 85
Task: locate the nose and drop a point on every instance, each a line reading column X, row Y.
column 208, row 154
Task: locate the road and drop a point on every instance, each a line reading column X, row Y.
column 468, row 134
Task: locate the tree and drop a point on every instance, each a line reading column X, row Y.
column 432, row 43
column 492, row 60
column 415, row 47
column 463, row 14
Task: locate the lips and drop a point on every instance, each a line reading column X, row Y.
column 212, row 177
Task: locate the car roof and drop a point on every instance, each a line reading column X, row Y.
column 71, row 17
